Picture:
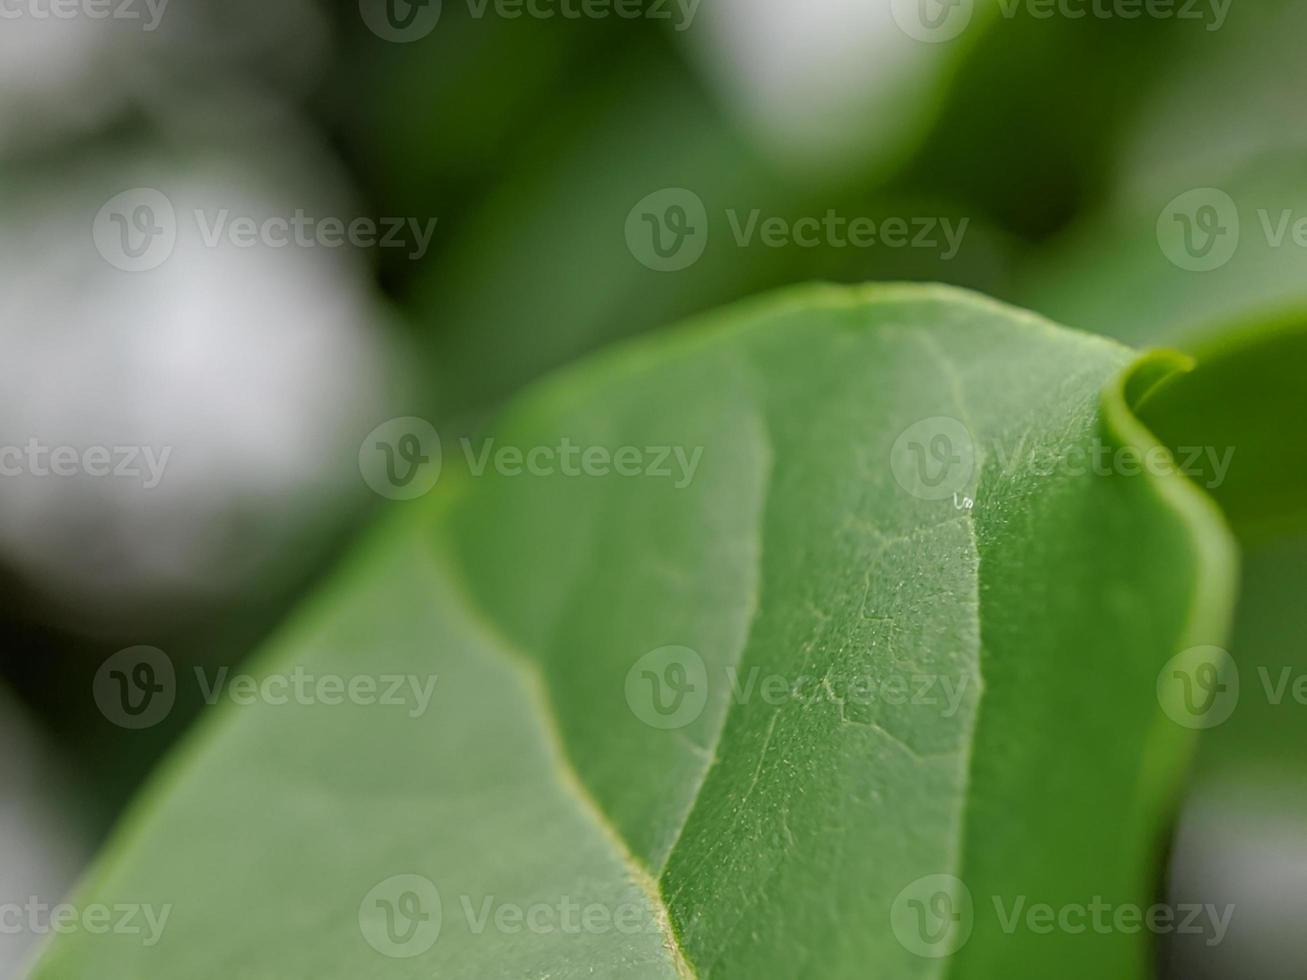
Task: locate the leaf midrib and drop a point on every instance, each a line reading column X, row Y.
column 570, row 779
column 648, row 877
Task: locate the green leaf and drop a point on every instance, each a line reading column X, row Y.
column 558, row 261
column 1261, row 742
column 477, row 120
column 1081, row 80
column 971, row 712
column 1132, row 275
column 1233, row 402
column 1243, row 808
column 1226, row 93
column 1240, row 313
